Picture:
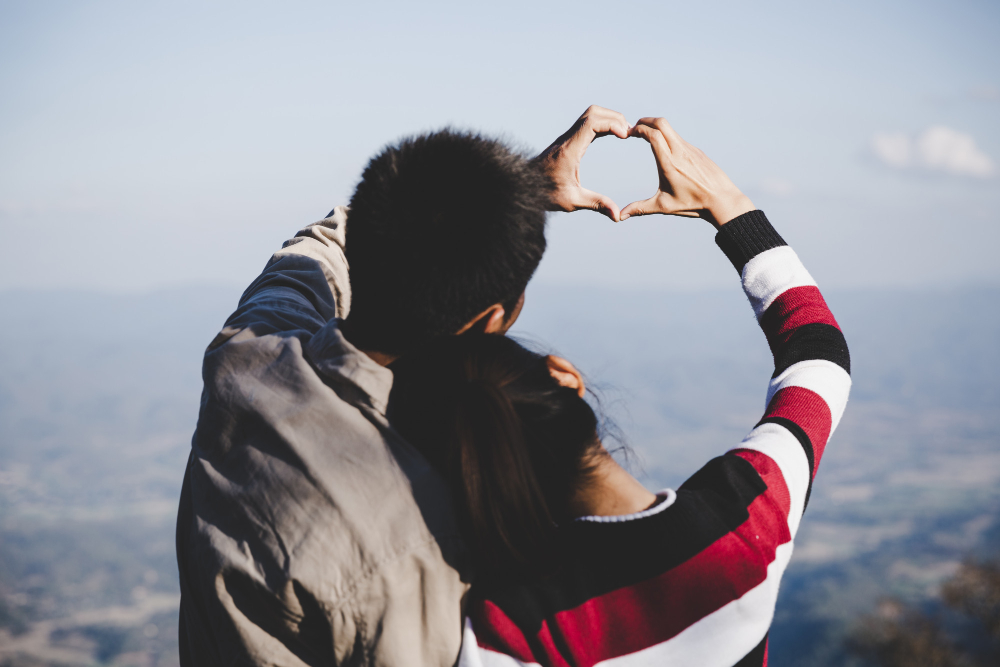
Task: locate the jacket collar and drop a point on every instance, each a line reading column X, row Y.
column 356, row 377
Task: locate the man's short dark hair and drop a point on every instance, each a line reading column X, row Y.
column 441, row 227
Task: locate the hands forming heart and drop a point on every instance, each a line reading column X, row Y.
column 691, row 185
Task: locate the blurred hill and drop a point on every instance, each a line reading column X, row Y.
column 99, row 397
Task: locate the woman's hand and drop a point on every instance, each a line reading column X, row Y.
column 691, row 185
column 561, row 161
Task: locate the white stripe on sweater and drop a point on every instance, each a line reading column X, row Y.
column 823, row 377
column 472, row 655
column 723, row 637
column 777, row 442
column 770, row 273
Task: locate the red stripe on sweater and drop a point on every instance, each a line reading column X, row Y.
column 769, row 471
column 792, row 309
column 495, row 631
column 807, row 409
column 635, row 617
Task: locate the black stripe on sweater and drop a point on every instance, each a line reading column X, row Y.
column 746, row 236
column 813, row 341
column 603, row 557
column 754, row 658
column 806, row 443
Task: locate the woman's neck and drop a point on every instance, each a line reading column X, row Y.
column 611, row 491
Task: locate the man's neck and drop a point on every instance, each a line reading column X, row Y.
column 380, row 358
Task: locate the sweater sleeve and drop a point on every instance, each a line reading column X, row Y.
column 808, row 390
column 758, row 491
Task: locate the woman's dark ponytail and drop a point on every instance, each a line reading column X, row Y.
column 505, row 506
column 512, row 444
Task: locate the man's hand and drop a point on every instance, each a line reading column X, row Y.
column 691, row 185
column 561, row 161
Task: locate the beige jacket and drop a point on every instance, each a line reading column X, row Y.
column 309, row 532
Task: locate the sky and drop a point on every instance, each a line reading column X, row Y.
column 149, row 145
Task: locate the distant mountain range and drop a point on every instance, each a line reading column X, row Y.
column 99, row 396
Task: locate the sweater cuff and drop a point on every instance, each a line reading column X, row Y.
column 746, row 236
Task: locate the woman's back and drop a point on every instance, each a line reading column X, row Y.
column 694, row 579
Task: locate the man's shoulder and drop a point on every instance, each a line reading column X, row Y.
column 293, row 454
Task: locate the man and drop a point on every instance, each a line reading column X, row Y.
column 308, row 531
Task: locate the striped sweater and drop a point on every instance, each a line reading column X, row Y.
column 694, row 580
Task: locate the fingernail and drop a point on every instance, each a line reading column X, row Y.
column 625, row 217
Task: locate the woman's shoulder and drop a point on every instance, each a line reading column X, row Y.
column 599, row 555
column 596, row 554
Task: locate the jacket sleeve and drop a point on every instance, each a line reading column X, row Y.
column 303, row 286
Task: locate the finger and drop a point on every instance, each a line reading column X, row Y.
column 661, row 124
column 600, row 203
column 603, row 121
column 642, row 131
column 644, row 207
column 651, row 135
column 668, row 131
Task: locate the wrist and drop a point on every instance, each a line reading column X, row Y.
column 729, row 208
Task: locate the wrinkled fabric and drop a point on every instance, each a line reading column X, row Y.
column 309, row 532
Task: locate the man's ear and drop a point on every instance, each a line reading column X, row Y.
column 566, row 374
column 489, row 321
column 497, row 321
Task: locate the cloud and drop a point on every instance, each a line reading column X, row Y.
column 937, row 148
column 893, row 149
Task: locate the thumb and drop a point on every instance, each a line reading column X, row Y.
column 644, row 207
column 600, row 203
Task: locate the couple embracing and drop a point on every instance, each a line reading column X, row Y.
column 379, row 476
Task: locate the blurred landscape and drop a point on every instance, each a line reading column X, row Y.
column 99, row 396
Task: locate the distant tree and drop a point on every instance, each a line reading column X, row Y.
column 975, row 592
column 897, row 635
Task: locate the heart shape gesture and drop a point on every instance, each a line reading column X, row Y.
column 691, row 185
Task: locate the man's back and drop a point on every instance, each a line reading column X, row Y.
column 308, row 531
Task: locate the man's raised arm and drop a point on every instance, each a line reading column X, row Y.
column 303, row 286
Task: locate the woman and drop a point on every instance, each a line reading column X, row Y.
column 579, row 563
